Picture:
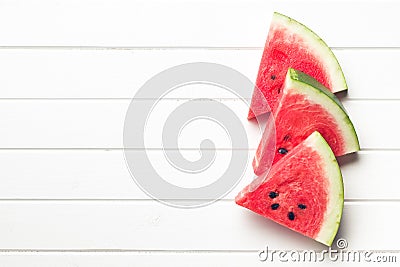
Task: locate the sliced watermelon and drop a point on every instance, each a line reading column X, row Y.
column 303, row 192
column 291, row 44
column 305, row 106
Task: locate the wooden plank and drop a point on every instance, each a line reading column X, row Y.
column 99, row 124
column 96, row 174
column 197, row 259
column 131, row 259
column 66, row 73
column 194, row 23
column 149, row 225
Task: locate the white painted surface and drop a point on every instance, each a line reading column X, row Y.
column 99, row 123
column 102, row 174
column 68, row 71
column 226, row 23
column 74, row 73
column 149, row 225
column 181, row 259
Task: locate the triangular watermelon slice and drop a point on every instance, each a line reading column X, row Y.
column 304, row 106
column 303, row 192
column 291, row 44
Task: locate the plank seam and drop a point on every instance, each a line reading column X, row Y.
column 142, row 200
column 111, row 251
column 44, row 47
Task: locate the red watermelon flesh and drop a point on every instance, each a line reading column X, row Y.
column 291, row 44
column 303, row 192
column 305, row 106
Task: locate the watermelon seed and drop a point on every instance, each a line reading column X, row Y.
column 282, row 151
column 275, row 206
column 302, row 206
column 273, row 194
column 286, row 137
column 290, row 216
column 273, row 77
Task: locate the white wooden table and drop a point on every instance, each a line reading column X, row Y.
column 68, row 70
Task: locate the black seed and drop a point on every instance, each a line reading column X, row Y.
column 290, row 216
column 282, row 151
column 279, row 90
column 273, row 77
column 286, row 137
column 302, row 206
column 275, row 206
column 273, row 194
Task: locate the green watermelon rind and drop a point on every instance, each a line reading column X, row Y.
column 320, row 48
column 334, row 208
column 302, row 77
column 306, row 85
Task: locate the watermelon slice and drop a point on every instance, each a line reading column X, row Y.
column 291, row 44
column 304, row 192
column 305, row 106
